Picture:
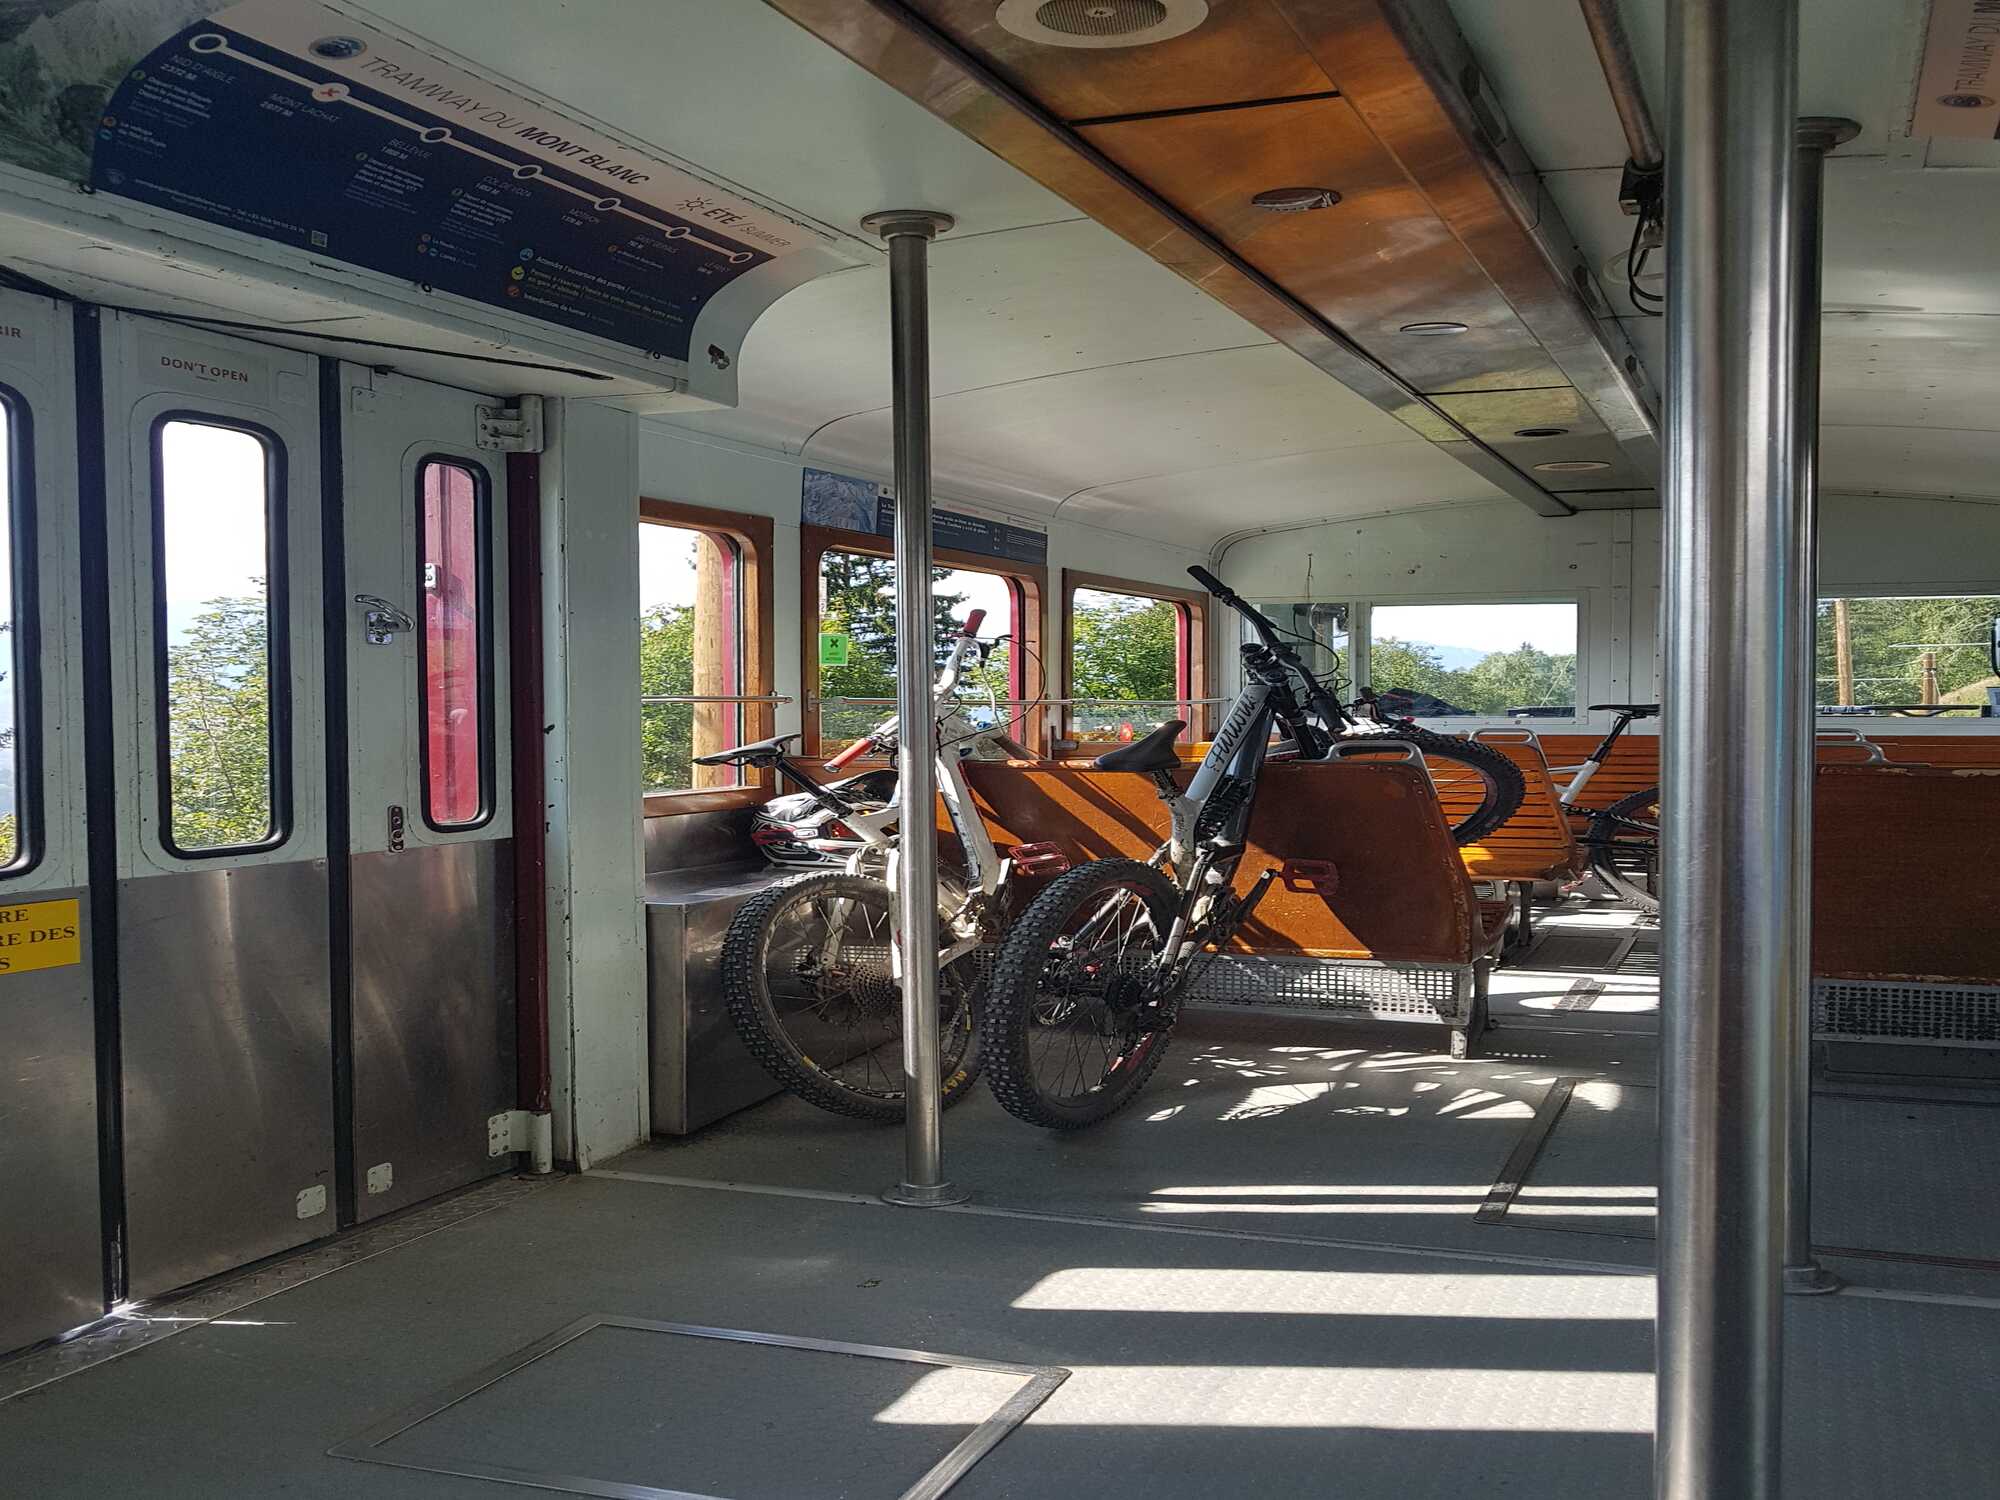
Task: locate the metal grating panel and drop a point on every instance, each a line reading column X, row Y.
column 1437, row 993
column 1909, row 1012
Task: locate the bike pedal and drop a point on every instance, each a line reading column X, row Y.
column 1039, row 859
column 1319, row 877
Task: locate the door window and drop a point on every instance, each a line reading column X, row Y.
column 219, row 644
column 454, row 645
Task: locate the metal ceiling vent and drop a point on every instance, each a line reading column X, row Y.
column 1100, row 23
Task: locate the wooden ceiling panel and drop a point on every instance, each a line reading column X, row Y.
column 1372, row 263
column 1244, row 51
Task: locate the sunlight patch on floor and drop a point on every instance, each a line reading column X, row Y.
column 1342, row 1396
column 1441, row 1294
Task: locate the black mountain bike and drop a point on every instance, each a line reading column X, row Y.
column 1087, row 985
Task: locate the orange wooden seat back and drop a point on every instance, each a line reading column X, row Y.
column 1536, row 843
column 1906, row 873
column 1397, row 891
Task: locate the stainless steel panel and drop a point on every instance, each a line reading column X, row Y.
column 434, row 1021
column 225, row 1006
column 689, row 841
column 51, row 1263
column 701, row 1070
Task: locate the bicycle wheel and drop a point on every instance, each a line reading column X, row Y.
column 1479, row 787
column 805, row 973
column 1625, row 848
column 1061, row 1027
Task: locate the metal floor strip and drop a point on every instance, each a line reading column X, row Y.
column 1101, row 1221
column 126, row 1330
column 1521, row 1160
column 1039, row 1382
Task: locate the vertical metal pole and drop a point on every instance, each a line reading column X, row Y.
column 909, row 233
column 1730, row 788
column 1815, row 135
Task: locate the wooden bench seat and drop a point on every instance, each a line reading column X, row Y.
column 1536, row 843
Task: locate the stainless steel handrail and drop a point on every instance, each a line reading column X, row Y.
column 653, row 698
column 1029, row 702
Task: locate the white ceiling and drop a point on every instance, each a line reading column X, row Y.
column 1911, row 388
column 1075, row 374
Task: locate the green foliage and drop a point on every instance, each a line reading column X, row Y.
column 1526, row 677
column 666, row 667
column 10, row 839
column 219, row 725
column 1122, row 647
column 1888, row 638
column 858, row 596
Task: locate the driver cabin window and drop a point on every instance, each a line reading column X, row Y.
column 1443, row 661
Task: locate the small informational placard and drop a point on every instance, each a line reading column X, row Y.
column 849, row 504
column 1958, row 85
column 834, row 648
column 39, row 935
column 300, row 125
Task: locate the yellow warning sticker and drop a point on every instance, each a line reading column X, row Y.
column 39, row 935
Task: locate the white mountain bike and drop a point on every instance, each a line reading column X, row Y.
column 809, row 966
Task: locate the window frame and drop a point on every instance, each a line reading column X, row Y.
column 277, row 631
column 1899, row 724
column 752, row 536
column 24, row 556
column 1196, row 629
column 1361, row 633
column 1028, row 581
column 482, row 498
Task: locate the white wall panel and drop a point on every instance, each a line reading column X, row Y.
column 597, row 954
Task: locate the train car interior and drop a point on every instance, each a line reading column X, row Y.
column 1406, row 594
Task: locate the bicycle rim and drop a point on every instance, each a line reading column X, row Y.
column 825, row 1005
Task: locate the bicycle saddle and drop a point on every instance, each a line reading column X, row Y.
column 1637, row 710
column 762, row 753
column 1153, row 753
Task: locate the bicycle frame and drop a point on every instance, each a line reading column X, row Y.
column 955, row 740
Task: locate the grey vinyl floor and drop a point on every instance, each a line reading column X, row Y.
column 1265, row 1279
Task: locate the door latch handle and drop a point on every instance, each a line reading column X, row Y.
column 384, row 620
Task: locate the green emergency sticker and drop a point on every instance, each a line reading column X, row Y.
column 833, row 648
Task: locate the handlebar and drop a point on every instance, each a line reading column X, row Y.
column 965, row 641
column 852, row 752
column 1322, row 701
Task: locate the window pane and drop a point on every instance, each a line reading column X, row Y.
column 457, row 700
column 13, row 762
column 1324, row 625
column 857, row 606
column 1463, row 659
column 690, row 644
column 1875, row 653
column 1130, row 648
column 216, row 564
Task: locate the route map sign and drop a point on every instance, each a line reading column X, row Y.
column 299, row 125
column 848, row 504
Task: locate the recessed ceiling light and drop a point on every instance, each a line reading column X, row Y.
column 1572, row 466
column 1295, row 200
column 1431, row 330
column 1540, row 431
